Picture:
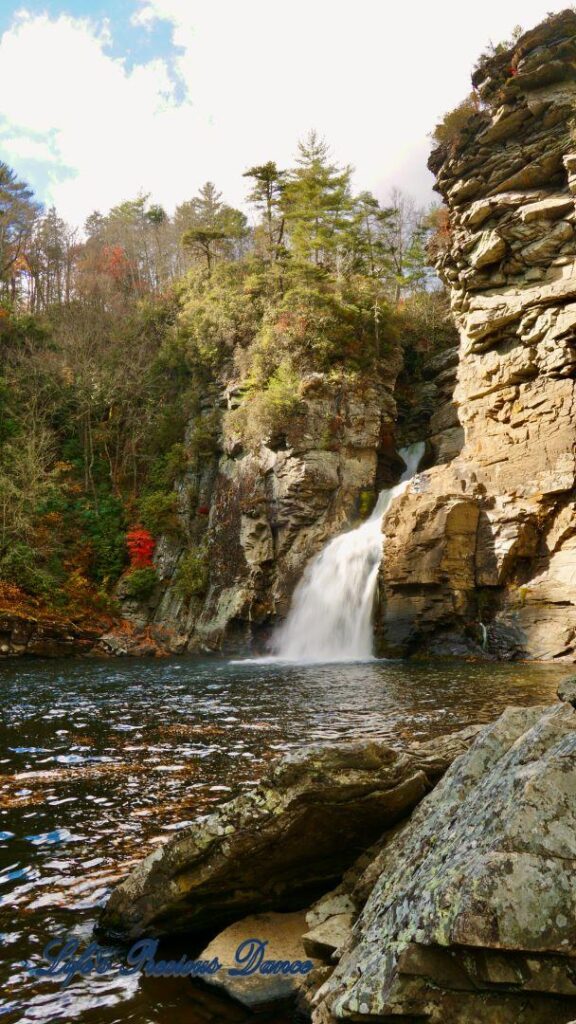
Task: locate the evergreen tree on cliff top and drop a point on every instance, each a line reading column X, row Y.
column 212, row 227
column 266, row 195
column 317, row 204
column 18, row 212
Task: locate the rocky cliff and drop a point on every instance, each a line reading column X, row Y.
column 272, row 509
column 481, row 551
column 480, row 554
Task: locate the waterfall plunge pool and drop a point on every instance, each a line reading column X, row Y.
column 100, row 761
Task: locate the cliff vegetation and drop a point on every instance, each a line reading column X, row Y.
column 117, row 344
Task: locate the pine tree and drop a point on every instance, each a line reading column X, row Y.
column 369, row 233
column 317, row 204
column 211, row 228
column 266, row 195
column 18, row 212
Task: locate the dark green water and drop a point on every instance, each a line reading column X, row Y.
column 100, row 761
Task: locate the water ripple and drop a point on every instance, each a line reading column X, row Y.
column 101, row 761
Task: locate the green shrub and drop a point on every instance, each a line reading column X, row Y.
column 104, row 525
column 159, row 513
column 450, row 128
column 366, row 501
column 168, row 467
column 193, row 574
column 20, row 566
column 203, row 441
column 106, row 603
column 218, row 313
column 140, row 583
column 498, row 49
column 265, row 413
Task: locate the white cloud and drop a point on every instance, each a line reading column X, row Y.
column 144, row 16
column 22, row 147
column 372, row 77
column 117, row 129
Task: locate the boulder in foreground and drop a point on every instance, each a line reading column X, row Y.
column 471, row 912
column 280, row 845
column 282, row 935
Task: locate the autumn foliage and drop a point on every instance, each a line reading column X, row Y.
column 140, row 544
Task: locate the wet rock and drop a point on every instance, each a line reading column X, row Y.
column 282, row 936
column 44, row 636
column 272, row 509
column 470, row 907
column 567, row 691
column 282, row 843
column 148, row 642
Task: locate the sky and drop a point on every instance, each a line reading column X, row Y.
column 102, row 101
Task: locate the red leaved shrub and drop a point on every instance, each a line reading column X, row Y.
column 140, row 544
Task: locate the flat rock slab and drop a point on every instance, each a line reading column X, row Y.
column 282, row 935
column 280, row 845
column 323, row 941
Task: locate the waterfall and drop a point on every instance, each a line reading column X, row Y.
column 330, row 618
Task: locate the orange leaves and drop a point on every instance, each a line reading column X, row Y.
column 115, row 262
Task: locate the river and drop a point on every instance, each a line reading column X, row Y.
column 102, row 760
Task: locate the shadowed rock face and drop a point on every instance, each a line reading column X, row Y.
column 471, row 908
column 272, row 510
column 279, row 845
column 491, row 537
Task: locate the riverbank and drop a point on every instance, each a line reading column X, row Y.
column 29, row 626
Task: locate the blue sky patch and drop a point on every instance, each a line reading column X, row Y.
column 135, row 44
column 38, row 172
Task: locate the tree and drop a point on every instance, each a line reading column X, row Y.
column 212, row 229
column 128, row 226
column 160, row 225
column 144, row 234
column 369, row 231
column 204, row 241
column 266, row 195
column 18, row 212
column 403, row 238
column 51, row 254
column 317, row 204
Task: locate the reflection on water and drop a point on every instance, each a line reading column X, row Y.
column 101, row 761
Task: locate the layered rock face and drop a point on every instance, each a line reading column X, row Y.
column 470, row 907
column 44, row 637
column 272, row 510
column 482, row 551
column 281, row 843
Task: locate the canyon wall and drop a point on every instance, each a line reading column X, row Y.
column 272, row 509
column 481, row 551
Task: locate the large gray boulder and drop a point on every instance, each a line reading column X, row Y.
column 281, row 844
column 471, row 912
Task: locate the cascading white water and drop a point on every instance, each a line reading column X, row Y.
column 331, row 614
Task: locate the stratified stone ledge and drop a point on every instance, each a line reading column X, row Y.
column 281, row 844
